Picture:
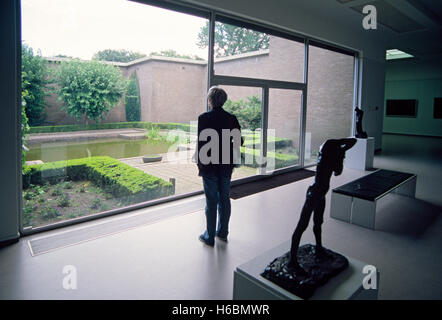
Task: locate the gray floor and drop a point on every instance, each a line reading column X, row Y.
column 165, row 260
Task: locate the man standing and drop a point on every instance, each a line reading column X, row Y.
column 219, row 134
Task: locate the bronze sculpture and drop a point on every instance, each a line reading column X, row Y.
column 320, row 264
column 359, row 132
column 330, row 159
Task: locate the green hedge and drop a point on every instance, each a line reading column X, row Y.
column 115, row 125
column 121, row 180
column 281, row 160
column 85, row 127
column 174, row 126
column 254, row 141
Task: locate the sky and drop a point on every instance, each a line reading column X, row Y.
column 80, row 28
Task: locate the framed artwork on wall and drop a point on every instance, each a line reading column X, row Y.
column 401, row 108
column 437, row 108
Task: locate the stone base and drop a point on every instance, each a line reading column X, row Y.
column 319, row 267
column 249, row 284
column 360, row 156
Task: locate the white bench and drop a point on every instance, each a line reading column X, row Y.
column 355, row 202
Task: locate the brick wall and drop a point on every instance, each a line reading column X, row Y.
column 329, row 95
column 55, row 115
column 170, row 91
column 174, row 90
column 330, row 89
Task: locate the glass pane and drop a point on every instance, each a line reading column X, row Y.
column 109, row 127
column 283, row 128
column 247, row 53
column 246, row 104
column 329, row 99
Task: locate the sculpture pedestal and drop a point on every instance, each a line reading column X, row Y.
column 360, row 156
column 248, row 284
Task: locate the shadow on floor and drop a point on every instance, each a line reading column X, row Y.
column 406, row 216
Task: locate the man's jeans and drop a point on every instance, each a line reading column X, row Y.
column 217, row 190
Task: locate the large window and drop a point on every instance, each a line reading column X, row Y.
column 247, row 55
column 246, row 104
column 244, row 52
column 284, row 119
column 330, row 98
column 113, row 90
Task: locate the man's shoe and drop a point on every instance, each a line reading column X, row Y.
column 207, row 242
column 221, row 238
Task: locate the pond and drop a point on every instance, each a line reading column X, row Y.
column 115, row 148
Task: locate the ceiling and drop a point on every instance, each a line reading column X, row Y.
column 416, row 25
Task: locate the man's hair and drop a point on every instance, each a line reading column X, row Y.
column 217, row 97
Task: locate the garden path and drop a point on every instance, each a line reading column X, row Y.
column 179, row 165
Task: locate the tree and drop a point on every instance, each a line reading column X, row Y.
column 248, row 112
column 117, row 55
column 132, row 100
column 231, row 40
column 173, row 54
column 34, row 82
column 90, row 88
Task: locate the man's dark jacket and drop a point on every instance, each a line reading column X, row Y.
column 216, row 119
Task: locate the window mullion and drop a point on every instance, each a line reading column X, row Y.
column 210, row 60
column 303, row 120
column 264, row 127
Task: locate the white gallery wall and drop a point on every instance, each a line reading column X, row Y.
column 414, row 79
